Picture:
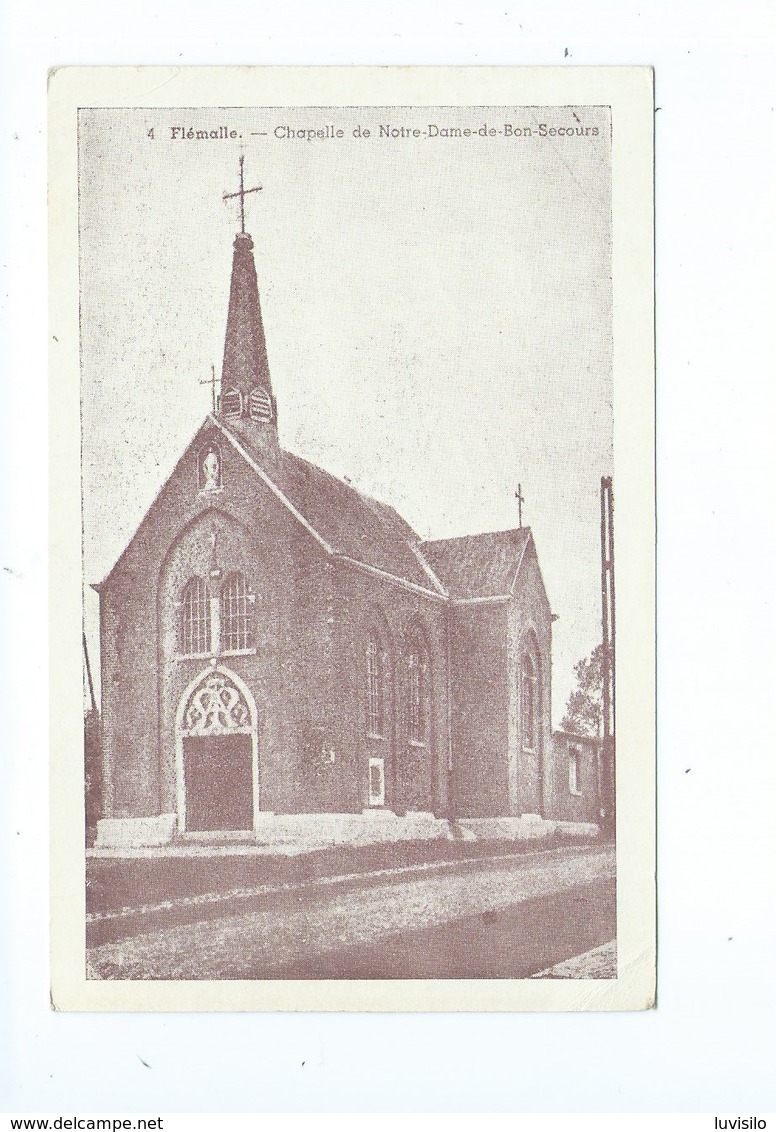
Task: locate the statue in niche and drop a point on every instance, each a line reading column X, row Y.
column 210, row 466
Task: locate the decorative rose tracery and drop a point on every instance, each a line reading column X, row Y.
column 216, row 707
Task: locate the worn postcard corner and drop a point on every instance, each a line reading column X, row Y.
column 352, row 374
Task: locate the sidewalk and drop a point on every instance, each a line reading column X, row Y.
column 121, row 885
column 598, row 963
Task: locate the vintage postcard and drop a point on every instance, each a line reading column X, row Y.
column 352, row 539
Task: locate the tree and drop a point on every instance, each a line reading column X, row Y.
column 583, row 709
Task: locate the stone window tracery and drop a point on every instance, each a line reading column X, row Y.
column 216, row 707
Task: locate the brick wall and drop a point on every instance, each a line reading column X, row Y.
column 530, row 630
column 478, row 651
column 307, row 673
column 574, row 800
column 313, row 617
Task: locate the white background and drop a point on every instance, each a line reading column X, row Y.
column 711, row 1044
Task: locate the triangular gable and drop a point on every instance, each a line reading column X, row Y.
column 363, row 532
column 356, row 529
column 530, row 555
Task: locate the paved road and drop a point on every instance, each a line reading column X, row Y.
column 500, row 918
column 505, row 943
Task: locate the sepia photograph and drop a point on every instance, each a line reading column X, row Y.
column 384, row 375
column 349, row 543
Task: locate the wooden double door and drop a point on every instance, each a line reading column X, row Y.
column 218, row 776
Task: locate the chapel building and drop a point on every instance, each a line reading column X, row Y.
column 273, row 641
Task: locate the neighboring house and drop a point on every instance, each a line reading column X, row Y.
column 577, row 777
column 274, row 640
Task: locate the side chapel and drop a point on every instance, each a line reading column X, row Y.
column 275, row 641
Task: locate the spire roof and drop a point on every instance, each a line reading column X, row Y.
column 245, row 351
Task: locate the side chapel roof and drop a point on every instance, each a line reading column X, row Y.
column 374, row 534
column 478, row 565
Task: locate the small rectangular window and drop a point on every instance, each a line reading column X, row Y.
column 376, row 782
column 575, row 770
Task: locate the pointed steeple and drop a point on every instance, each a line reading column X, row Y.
column 246, row 387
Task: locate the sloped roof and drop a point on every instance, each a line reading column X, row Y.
column 478, row 565
column 350, row 522
column 354, row 526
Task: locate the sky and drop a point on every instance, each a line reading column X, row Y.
column 437, row 308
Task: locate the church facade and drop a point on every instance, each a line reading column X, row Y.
column 275, row 642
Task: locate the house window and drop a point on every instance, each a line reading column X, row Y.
column 236, row 630
column 195, row 618
column 575, row 771
column 418, row 696
column 231, row 403
column 374, row 678
column 528, row 704
column 260, row 405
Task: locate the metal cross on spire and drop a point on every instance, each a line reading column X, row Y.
column 520, row 501
column 242, row 193
column 211, row 381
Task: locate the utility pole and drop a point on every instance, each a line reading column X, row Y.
column 88, row 667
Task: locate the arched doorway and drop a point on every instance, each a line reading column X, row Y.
column 217, row 755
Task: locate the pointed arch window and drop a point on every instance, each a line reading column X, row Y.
column 260, row 405
column 236, row 615
column 231, row 404
column 529, row 703
column 375, row 676
column 195, row 627
column 418, row 706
